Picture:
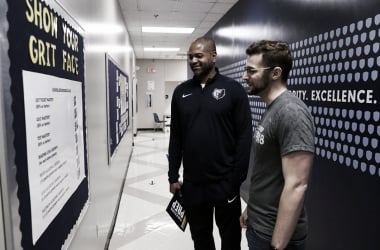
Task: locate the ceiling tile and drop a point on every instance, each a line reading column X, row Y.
column 200, row 14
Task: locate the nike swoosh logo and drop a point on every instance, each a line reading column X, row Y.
column 184, row 96
column 232, row 200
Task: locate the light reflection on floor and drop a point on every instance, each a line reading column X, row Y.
column 142, row 223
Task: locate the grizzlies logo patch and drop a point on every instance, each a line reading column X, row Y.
column 219, row 93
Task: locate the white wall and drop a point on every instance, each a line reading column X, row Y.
column 167, row 73
column 105, row 180
column 2, row 233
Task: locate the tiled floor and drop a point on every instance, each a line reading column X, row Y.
column 142, row 223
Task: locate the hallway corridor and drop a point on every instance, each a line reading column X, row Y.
column 142, row 222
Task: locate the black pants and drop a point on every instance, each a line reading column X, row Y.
column 201, row 201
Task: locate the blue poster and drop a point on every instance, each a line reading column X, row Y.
column 118, row 105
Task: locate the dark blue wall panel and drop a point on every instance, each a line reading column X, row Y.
column 336, row 71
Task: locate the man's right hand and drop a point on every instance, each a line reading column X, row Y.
column 174, row 187
column 243, row 218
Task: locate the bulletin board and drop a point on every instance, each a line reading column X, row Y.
column 117, row 105
column 48, row 103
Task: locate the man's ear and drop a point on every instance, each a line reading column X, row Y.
column 276, row 73
column 214, row 56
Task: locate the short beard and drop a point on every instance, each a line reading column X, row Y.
column 204, row 73
column 257, row 91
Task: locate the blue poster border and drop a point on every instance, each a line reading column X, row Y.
column 20, row 33
column 117, row 121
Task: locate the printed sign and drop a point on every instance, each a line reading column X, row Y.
column 55, row 148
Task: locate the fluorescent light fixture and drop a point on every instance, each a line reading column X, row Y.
column 161, row 49
column 176, row 30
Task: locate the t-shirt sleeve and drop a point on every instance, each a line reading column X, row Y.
column 296, row 129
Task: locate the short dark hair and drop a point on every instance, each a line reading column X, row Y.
column 208, row 42
column 275, row 54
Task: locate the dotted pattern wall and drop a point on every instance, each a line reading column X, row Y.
column 236, row 71
column 336, row 73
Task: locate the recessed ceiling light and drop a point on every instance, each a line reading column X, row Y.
column 177, row 30
column 161, row 49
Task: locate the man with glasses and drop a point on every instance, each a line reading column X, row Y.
column 283, row 149
column 211, row 133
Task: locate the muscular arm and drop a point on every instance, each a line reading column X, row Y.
column 296, row 167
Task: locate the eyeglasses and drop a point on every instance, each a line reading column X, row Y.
column 251, row 71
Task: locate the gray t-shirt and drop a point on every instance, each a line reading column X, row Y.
column 286, row 126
